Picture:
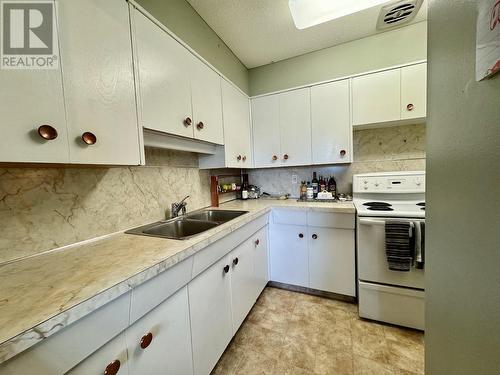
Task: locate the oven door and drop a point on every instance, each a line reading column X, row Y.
column 372, row 261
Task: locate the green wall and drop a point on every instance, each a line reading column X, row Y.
column 182, row 20
column 393, row 47
column 463, row 200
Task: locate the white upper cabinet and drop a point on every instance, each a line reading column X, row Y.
column 98, row 81
column 376, row 97
column 413, row 91
column 207, row 102
column 331, row 125
column 164, row 82
column 266, row 131
column 295, row 127
column 237, row 133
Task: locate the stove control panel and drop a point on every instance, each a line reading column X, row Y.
column 389, row 183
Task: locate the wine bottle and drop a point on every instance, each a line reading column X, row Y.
column 315, row 185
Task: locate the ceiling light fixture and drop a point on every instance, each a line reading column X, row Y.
column 307, row 13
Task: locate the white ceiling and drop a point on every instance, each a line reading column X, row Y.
column 262, row 31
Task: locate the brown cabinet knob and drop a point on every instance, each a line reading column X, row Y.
column 275, row 157
column 285, row 156
column 47, row 132
column 301, row 235
column 200, row 125
column 410, row 107
column 146, row 340
column 343, row 153
column 257, row 242
column 235, row 261
column 238, row 157
column 188, row 121
column 244, row 158
column 112, row 368
column 89, row 138
column 315, row 236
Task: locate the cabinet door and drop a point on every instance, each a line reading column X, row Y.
column 332, row 260
column 289, row 254
column 164, row 82
column 211, row 320
column 98, row 78
column 414, row 91
column 331, row 124
column 160, row 342
column 207, row 103
column 28, row 100
column 266, row 131
column 376, row 97
column 112, row 354
column 295, row 127
column 237, row 142
column 261, row 260
column 242, row 282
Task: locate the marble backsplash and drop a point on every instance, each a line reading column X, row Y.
column 398, row 148
column 42, row 208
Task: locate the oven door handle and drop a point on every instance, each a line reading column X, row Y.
column 371, row 222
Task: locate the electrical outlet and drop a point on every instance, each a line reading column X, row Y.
column 294, row 179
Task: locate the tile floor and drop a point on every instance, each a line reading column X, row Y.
column 294, row 333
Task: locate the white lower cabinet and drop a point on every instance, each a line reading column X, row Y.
column 160, row 342
column 210, row 312
column 332, row 261
column 289, row 254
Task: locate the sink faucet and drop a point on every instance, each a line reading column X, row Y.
column 178, row 207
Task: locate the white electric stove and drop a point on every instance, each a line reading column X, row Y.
column 390, row 296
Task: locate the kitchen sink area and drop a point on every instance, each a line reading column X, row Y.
column 187, row 226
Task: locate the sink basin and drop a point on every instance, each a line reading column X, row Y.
column 187, row 226
column 218, row 216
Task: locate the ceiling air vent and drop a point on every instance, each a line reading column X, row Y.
column 398, row 13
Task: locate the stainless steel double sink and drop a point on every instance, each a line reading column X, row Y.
column 187, row 226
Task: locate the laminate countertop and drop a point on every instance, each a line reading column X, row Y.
column 45, row 293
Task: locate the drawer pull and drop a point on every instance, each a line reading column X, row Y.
column 343, row 153
column 187, row 121
column 314, row 236
column 235, row 261
column 301, row 235
column 238, row 157
column 257, row 242
column 226, row 268
column 112, row 368
column 285, row 156
column 200, row 125
column 410, row 107
column 89, row 138
column 146, row 340
column 244, row 158
column 47, row 132
column 275, row 158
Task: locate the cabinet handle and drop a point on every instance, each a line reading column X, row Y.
column 235, row 261
column 315, row 236
column 301, row 235
column 244, row 158
column 410, row 107
column 257, row 242
column 146, row 340
column 275, row 157
column 343, row 153
column 89, row 138
column 112, row 368
column 238, row 157
column 200, row 125
column 285, row 156
column 187, row 121
column 47, row 132
column 226, row 268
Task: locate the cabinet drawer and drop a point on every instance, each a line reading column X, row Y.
column 67, row 348
column 289, row 217
column 331, row 220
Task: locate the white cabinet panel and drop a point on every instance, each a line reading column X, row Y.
column 331, row 124
column 237, row 134
column 413, row 91
column 98, row 81
column 169, row 351
column 113, row 351
column 376, row 97
column 211, row 319
column 164, row 81
column 332, row 260
column 261, row 260
column 295, row 127
column 242, row 281
column 266, row 131
column 207, row 102
column 289, row 254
